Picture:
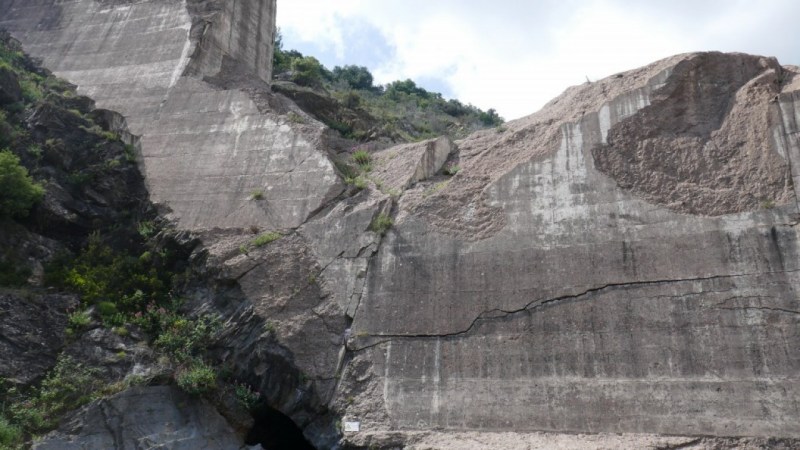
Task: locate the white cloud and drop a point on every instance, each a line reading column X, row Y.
column 515, row 56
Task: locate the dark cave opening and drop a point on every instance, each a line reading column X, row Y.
column 275, row 431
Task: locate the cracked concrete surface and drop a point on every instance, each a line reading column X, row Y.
column 592, row 309
column 555, row 283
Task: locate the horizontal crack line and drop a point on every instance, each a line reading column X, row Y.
column 764, row 308
column 498, row 313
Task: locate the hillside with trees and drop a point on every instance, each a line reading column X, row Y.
column 347, row 99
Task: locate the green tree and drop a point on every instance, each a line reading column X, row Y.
column 405, row 87
column 308, row 71
column 280, row 60
column 18, row 191
column 357, row 77
column 490, row 118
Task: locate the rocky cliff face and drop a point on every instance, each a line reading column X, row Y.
column 623, row 261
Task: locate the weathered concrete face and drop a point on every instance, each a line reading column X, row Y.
column 207, row 152
column 625, row 260
column 592, row 309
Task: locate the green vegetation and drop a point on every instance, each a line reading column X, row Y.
column 363, row 161
column 21, row 152
column 199, row 378
column 381, row 224
column 35, row 150
column 295, row 118
column 400, row 110
column 78, row 321
column 126, row 289
column 257, row 195
column 358, row 182
column 18, row 191
column 68, row 386
column 8, row 133
column 354, row 169
column 118, row 282
column 361, row 157
column 307, row 71
column 246, row 395
column 185, row 339
column 10, row 435
column 128, row 272
column 145, row 228
column 265, row 239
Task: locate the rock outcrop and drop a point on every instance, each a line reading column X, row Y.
column 146, row 418
column 31, row 333
column 623, row 261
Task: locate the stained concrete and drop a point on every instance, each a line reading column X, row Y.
column 591, row 309
column 205, row 151
column 551, row 285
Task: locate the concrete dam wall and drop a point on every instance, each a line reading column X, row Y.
column 625, row 260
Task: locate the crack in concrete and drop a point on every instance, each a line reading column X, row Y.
column 765, row 308
column 723, row 304
column 497, row 313
column 680, row 446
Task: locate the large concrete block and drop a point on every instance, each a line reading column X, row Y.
column 206, row 151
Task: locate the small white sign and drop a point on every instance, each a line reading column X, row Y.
column 352, row 427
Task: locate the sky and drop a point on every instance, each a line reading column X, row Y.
column 516, row 55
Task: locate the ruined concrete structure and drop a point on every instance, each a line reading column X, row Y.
column 625, row 260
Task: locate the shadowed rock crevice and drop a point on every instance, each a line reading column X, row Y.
column 274, row 431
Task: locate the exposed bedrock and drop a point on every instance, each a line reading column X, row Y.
column 146, row 418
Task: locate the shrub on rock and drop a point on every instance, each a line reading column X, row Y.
column 18, row 191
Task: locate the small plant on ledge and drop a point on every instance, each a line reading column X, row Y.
column 266, row 238
column 381, row 224
column 361, row 157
